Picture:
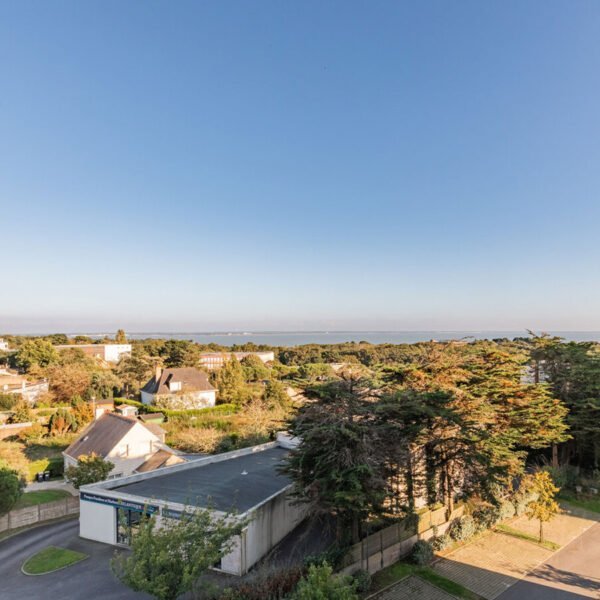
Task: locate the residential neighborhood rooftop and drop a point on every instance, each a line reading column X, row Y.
column 191, row 379
column 238, row 483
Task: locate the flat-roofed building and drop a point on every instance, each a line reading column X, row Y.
column 13, row 383
column 107, row 352
column 215, row 360
column 248, row 481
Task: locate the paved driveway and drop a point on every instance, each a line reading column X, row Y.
column 87, row 580
column 573, row 573
column 413, row 588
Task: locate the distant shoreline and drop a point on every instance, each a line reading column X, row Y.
column 297, row 338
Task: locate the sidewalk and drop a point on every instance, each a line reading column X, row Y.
column 495, row 561
column 36, row 486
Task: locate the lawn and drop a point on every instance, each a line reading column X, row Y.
column 40, row 497
column 525, row 536
column 51, row 559
column 400, row 570
column 589, row 503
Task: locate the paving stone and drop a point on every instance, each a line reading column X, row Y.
column 413, row 588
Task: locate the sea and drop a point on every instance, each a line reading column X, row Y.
column 298, row 338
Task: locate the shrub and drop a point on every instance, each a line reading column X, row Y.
column 21, row 413
column 441, row 542
column 524, row 496
column 506, row 510
column 362, row 580
column 565, row 476
column 485, row 517
column 31, row 433
column 462, row 528
column 8, row 401
column 421, row 553
column 320, row 583
column 272, row 584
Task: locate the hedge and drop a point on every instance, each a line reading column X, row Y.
column 220, row 409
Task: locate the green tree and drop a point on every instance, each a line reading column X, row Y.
column 544, row 507
column 36, row 353
column 104, row 383
column 231, row 382
column 336, row 467
column 180, row 353
column 315, row 372
column 61, row 422
column 90, row 469
column 254, row 368
column 11, row 487
column 276, row 394
column 320, row 583
column 134, row 370
column 167, row 562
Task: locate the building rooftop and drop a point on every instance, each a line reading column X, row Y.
column 238, row 483
column 191, row 380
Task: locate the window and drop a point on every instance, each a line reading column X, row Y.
column 175, row 386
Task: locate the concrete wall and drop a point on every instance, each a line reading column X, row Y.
column 41, row 512
column 269, row 524
column 13, row 429
column 98, row 522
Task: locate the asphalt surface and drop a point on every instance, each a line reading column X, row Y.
column 235, row 484
column 573, row 573
column 90, row 579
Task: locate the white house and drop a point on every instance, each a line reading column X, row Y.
column 3, row 345
column 108, row 352
column 13, row 383
column 129, row 444
column 181, row 388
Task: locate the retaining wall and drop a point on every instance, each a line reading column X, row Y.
column 30, row 515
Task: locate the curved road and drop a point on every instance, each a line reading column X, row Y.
column 87, row 580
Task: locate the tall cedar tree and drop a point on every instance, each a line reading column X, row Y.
column 336, row 466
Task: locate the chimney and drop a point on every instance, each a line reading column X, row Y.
column 157, row 372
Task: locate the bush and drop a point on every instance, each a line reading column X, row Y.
column 8, row 401
column 265, row 585
column 362, row 580
column 421, row 553
column 321, row 583
column 31, row 433
column 441, row 542
column 462, row 528
column 565, row 476
column 485, row 517
column 506, row 510
column 523, row 496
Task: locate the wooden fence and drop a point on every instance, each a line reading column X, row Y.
column 389, row 545
column 30, row 515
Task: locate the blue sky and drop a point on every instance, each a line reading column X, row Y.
column 300, row 165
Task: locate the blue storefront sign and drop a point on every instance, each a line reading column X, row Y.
column 118, row 503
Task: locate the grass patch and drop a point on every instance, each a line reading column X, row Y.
column 51, row 559
column 40, row 497
column 592, row 504
column 525, row 536
column 400, row 570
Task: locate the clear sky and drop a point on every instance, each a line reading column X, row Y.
column 300, row 165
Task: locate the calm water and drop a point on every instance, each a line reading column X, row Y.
column 296, row 338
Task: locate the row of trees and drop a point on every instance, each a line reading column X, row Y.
column 449, row 420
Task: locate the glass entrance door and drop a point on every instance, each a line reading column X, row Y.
column 128, row 524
